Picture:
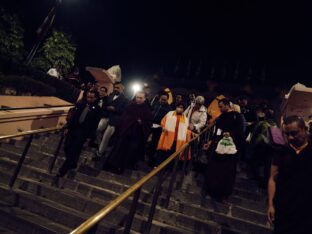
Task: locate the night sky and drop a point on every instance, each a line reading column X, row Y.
column 147, row 36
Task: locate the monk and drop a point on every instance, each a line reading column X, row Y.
column 131, row 135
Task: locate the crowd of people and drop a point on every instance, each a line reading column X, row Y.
column 124, row 131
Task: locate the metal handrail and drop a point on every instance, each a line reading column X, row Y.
column 27, row 146
column 33, row 107
column 96, row 218
column 32, row 132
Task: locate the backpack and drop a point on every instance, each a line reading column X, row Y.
column 276, row 136
column 270, row 135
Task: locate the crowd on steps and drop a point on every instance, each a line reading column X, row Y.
column 150, row 129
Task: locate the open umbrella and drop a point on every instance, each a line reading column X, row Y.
column 104, row 77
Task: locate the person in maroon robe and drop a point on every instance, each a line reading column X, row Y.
column 131, row 136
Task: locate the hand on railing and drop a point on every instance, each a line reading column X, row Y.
column 191, row 127
column 207, row 145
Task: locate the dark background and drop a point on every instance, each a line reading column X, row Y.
column 175, row 39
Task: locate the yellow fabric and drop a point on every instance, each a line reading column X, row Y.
column 167, row 137
column 213, row 109
column 170, row 99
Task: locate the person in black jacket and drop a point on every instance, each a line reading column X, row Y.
column 117, row 103
column 159, row 109
column 289, row 187
column 80, row 126
column 221, row 168
column 102, row 103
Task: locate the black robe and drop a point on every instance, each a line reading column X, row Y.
column 78, row 134
column 221, row 169
column 292, row 200
column 131, row 137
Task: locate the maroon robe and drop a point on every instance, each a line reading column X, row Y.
column 131, row 136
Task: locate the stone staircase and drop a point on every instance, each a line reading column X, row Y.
column 34, row 206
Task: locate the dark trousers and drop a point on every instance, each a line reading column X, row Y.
column 260, row 156
column 220, row 175
column 163, row 155
column 72, row 146
column 156, row 132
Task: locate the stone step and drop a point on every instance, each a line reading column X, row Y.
column 47, row 146
column 43, row 144
column 92, row 203
column 16, row 220
column 55, row 212
column 184, row 206
column 127, row 181
column 6, row 231
column 114, row 185
column 230, row 215
column 43, row 207
column 35, row 157
column 121, row 183
column 42, row 160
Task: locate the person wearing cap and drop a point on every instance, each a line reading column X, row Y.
column 197, row 114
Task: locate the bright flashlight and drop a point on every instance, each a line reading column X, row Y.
column 136, row 87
